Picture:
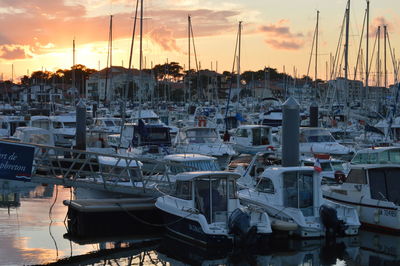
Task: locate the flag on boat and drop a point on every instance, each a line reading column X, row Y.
column 317, row 166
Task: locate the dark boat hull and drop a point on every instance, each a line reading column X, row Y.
column 191, row 232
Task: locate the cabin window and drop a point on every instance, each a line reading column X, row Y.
column 326, row 166
column 232, row 190
column 356, row 176
column 298, row 191
column 242, row 133
column 389, row 156
column 4, row 125
column 384, row 184
column 41, row 123
column 70, row 124
column 39, row 139
column 337, row 166
column 184, row 190
column 190, row 166
column 260, row 136
column 265, row 185
column 57, row 125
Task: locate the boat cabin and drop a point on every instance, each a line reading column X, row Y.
column 145, row 135
column 377, row 155
column 212, row 193
column 293, row 187
column 252, row 135
column 198, row 135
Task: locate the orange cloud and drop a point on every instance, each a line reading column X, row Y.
column 48, row 25
column 279, row 36
column 13, row 52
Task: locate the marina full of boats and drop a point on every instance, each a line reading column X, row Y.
column 239, row 186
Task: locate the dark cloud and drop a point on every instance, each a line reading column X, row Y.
column 379, row 21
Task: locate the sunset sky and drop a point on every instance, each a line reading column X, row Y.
column 38, row 34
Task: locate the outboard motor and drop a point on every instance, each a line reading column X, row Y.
column 333, row 225
column 239, row 226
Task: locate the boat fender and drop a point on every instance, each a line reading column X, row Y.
column 270, row 148
column 333, row 226
column 202, row 122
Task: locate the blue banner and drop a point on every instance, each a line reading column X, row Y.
column 16, row 161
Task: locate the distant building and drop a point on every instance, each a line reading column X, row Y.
column 117, row 79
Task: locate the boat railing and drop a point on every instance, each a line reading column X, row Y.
column 96, row 170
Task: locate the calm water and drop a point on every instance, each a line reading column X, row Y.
column 33, row 232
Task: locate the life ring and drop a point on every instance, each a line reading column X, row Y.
column 340, row 177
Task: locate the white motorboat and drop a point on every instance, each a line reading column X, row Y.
column 373, row 190
column 206, row 141
column 320, row 140
column 292, row 195
column 205, row 210
column 64, row 129
column 252, row 139
column 331, row 170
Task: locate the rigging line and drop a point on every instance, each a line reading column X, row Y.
column 359, row 47
column 194, row 48
column 312, row 50
column 333, row 71
column 395, row 69
column 133, row 35
column 373, row 53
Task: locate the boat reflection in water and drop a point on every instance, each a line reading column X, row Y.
column 378, row 249
column 12, row 191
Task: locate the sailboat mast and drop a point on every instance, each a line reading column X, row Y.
column 189, row 27
column 384, row 54
column 346, row 56
column 238, row 59
column 316, row 54
column 140, row 59
column 367, row 55
column 73, row 63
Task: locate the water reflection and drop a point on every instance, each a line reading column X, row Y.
column 25, row 239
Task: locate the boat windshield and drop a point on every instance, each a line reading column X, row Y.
column 41, row 123
column 39, row 139
column 109, row 123
column 70, row 124
column 298, row 191
column 190, row 166
column 337, row 166
column 391, row 156
column 316, row 135
column 202, row 135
